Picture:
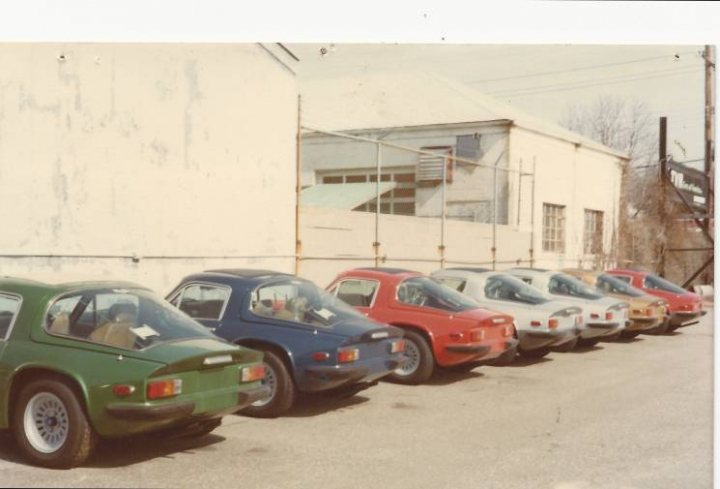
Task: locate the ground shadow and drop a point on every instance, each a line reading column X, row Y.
column 585, row 349
column 120, row 452
column 521, row 361
column 314, row 405
column 625, row 341
column 449, row 376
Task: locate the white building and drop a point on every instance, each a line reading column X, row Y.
column 570, row 212
column 146, row 161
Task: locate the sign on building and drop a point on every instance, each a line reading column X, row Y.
column 691, row 183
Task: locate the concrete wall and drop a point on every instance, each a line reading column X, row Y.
column 180, row 155
column 335, row 240
column 569, row 175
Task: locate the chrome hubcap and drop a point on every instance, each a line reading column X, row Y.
column 413, row 353
column 270, row 380
column 46, row 422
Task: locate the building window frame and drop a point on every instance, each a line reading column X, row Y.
column 553, row 228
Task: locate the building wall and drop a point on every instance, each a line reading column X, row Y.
column 471, row 191
column 336, row 240
column 569, row 175
column 181, row 156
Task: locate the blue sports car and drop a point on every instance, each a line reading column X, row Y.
column 312, row 341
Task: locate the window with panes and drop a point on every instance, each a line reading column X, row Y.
column 593, row 233
column 553, row 238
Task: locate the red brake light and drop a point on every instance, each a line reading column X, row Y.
column 164, row 388
column 553, row 323
column 252, row 373
column 348, row 355
column 608, row 316
column 648, row 312
column 320, row 356
column 397, row 346
column 123, row 390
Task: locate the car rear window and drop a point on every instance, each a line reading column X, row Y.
column 132, row 319
column 610, row 284
column 428, row 292
column 655, row 282
column 9, row 306
column 562, row 284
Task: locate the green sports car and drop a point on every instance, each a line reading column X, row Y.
column 84, row 360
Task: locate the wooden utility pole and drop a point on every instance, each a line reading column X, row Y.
column 709, row 56
column 662, row 157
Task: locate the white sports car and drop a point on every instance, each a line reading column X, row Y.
column 542, row 323
column 604, row 317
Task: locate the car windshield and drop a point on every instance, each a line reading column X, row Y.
column 132, row 319
column 562, row 284
column 607, row 284
column 428, row 292
column 655, row 282
column 507, row 288
column 300, row 301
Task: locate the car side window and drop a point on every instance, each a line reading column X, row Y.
column 498, row 289
column 356, row 292
column 454, row 283
column 203, row 301
column 9, row 307
column 624, row 278
column 557, row 287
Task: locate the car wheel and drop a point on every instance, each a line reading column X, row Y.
column 282, row 389
column 566, row 347
column 630, row 334
column 588, row 342
column 420, row 364
column 534, row 353
column 50, row 425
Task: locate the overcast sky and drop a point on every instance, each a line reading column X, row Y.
column 545, row 79
column 562, row 52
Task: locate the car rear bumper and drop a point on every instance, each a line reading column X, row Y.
column 682, row 318
column 599, row 329
column 644, row 323
column 326, row 377
column 532, row 340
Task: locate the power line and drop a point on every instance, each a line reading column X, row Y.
column 572, row 70
column 588, row 84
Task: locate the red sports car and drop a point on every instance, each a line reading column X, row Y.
column 442, row 327
column 684, row 308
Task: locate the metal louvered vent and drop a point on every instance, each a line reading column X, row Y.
column 430, row 167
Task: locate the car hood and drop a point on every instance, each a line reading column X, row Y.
column 193, row 354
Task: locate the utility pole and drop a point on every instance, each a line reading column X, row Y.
column 709, row 56
column 662, row 157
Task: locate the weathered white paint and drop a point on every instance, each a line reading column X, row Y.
column 335, row 240
column 150, row 150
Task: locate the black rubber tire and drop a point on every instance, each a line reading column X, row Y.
column 426, row 361
column 588, row 342
column 285, row 391
column 630, row 334
column 534, row 353
column 566, row 347
column 81, row 438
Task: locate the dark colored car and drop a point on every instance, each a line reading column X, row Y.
column 85, row 360
column 684, row 307
column 442, row 327
column 312, row 341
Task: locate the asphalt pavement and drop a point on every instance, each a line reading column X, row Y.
column 628, row 414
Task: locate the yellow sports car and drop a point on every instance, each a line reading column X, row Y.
column 647, row 312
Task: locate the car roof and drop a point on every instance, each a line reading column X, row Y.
column 246, row 272
column 471, row 269
column 24, row 285
column 388, row 270
column 631, row 271
column 370, row 272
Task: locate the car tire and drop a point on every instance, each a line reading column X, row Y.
column 535, row 352
column 630, row 334
column 50, row 425
column 282, row 388
column 566, row 347
column 588, row 342
column 420, row 365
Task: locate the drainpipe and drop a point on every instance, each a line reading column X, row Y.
column 441, row 248
column 494, row 228
column 376, row 243
column 298, row 242
column 532, row 217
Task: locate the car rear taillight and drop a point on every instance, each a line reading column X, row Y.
column 553, row 323
column 397, row 346
column 608, row 316
column 477, row 334
column 123, row 390
column 164, row 388
column 535, row 324
column 648, row 312
column 253, row 373
column 346, row 355
column 320, row 356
